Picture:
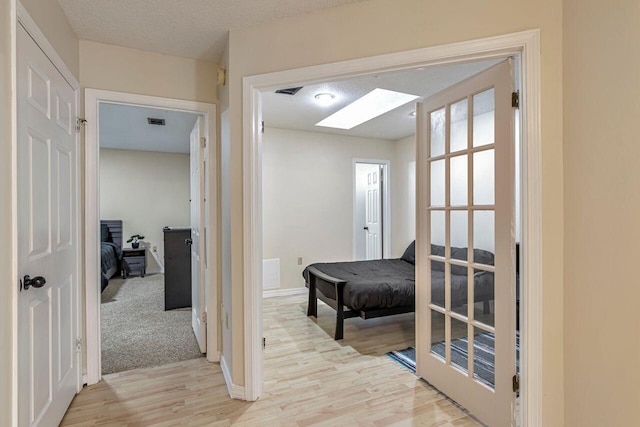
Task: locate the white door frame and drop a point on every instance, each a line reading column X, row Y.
column 93, row 98
column 525, row 46
column 23, row 18
column 386, row 209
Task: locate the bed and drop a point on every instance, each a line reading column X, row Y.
column 110, row 250
column 386, row 287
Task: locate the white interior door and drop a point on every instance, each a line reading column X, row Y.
column 373, row 213
column 48, row 352
column 466, row 298
column 198, row 302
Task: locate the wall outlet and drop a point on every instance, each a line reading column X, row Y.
column 155, row 249
column 299, row 260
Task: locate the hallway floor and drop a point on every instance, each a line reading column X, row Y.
column 310, row 379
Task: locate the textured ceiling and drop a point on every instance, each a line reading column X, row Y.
column 124, row 127
column 302, row 112
column 189, row 28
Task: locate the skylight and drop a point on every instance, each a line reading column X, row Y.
column 374, row 104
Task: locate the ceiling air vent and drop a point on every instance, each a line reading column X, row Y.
column 290, row 91
column 152, row 121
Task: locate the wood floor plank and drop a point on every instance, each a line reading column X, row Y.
column 310, row 380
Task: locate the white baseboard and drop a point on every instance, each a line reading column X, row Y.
column 270, row 293
column 235, row 391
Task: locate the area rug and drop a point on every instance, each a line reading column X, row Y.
column 137, row 332
column 484, row 355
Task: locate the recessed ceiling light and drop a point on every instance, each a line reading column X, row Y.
column 373, row 104
column 325, row 98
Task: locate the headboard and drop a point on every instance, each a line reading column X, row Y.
column 115, row 230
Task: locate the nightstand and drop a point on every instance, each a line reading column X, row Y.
column 134, row 260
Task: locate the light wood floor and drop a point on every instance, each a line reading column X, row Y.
column 310, row 379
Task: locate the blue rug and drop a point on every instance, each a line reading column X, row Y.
column 406, row 358
column 484, row 356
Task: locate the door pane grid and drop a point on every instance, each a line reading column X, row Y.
column 449, row 163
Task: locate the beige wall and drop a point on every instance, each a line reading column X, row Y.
column 602, row 206
column 307, row 196
column 133, row 71
column 52, row 21
column 385, row 26
column 147, row 191
column 403, row 196
column 6, row 227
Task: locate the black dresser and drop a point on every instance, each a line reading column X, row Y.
column 177, row 267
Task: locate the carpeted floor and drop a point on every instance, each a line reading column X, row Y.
column 137, row 332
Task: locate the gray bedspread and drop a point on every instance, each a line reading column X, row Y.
column 389, row 283
column 382, row 283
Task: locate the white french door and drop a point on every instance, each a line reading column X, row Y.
column 198, row 302
column 465, row 276
column 49, row 362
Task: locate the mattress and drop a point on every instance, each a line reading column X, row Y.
column 390, row 283
column 384, row 283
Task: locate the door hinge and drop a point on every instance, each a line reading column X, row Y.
column 79, row 344
column 264, row 343
column 79, row 122
column 203, row 142
column 515, row 99
column 516, row 382
column 262, row 127
column 204, row 317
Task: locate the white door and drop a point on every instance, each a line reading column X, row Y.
column 465, row 337
column 197, row 217
column 48, row 353
column 373, row 213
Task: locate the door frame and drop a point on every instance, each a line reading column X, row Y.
column 525, row 46
column 93, row 98
column 23, row 18
column 386, row 209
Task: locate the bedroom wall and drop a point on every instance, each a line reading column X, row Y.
column 386, row 26
column 6, row 220
column 147, row 191
column 403, row 203
column 307, row 183
column 602, row 206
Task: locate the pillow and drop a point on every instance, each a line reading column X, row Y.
column 105, row 236
column 409, row 254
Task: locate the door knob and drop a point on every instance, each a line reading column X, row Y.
column 36, row 282
column 188, row 241
column 366, row 228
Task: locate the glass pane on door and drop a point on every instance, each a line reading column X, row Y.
column 483, row 118
column 437, row 132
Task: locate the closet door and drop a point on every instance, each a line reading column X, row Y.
column 465, row 268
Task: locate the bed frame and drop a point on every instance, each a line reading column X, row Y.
column 338, row 304
column 115, row 230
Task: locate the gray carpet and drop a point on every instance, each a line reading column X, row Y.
column 137, row 332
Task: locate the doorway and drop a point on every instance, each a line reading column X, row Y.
column 149, row 211
column 206, row 304
column 371, row 219
column 525, row 47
